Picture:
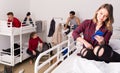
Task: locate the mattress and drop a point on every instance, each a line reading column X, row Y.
column 76, row 64
column 16, row 31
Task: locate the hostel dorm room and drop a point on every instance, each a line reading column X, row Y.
column 62, row 36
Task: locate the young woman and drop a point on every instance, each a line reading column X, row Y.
column 97, row 33
column 33, row 45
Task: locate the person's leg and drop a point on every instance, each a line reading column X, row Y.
column 67, row 32
column 115, row 57
column 37, row 53
column 68, row 29
column 31, row 56
column 88, row 53
column 75, row 26
column 24, row 22
column 105, row 52
column 30, row 53
column 83, row 52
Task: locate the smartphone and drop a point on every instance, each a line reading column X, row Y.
column 99, row 32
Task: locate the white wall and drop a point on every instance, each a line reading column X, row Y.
column 85, row 9
column 46, row 9
column 19, row 7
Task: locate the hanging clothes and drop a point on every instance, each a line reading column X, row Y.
column 52, row 28
column 38, row 26
column 44, row 25
column 57, row 36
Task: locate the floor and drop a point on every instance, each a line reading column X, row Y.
column 28, row 68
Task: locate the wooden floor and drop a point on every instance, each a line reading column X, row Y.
column 28, row 68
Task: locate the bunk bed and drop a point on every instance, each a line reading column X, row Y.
column 10, row 58
column 76, row 64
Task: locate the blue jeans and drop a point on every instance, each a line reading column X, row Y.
column 74, row 27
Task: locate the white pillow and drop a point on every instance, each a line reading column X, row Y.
column 115, row 44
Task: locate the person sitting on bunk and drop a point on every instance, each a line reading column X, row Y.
column 73, row 21
column 33, row 45
column 97, row 33
column 28, row 19
column 14, row 20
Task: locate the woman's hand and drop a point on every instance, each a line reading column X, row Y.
column 100, row 39
column 88, row 45
column 34, row 53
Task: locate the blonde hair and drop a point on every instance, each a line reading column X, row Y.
column 108, row 22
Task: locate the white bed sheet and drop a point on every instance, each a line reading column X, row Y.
column 76, row 64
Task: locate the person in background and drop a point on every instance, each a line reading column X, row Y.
column 28, row 19
column 33, row 45
column 72, row 22
column 14, row 20
column 97, row 33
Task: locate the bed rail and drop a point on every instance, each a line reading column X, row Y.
column 58, row 55
column 59, row 58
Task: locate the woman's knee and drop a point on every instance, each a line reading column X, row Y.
column 98, row 51
column 89, row 54
column 83, row 52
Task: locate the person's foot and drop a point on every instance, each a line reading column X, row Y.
column 31, row 62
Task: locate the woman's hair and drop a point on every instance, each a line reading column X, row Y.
column 32, row 34
column 108, row 22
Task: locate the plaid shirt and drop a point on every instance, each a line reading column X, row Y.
column 88, row 29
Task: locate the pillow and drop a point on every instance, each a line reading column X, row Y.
column 114, row 43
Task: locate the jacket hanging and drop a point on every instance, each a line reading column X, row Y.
column 52, row 28
column 57, row 36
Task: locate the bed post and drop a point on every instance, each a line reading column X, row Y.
column 21, row 44
column 68, row 46
column 12, row 46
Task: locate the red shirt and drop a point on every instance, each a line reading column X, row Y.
column 33, row 43
column 15, row 22
column 88, row 28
